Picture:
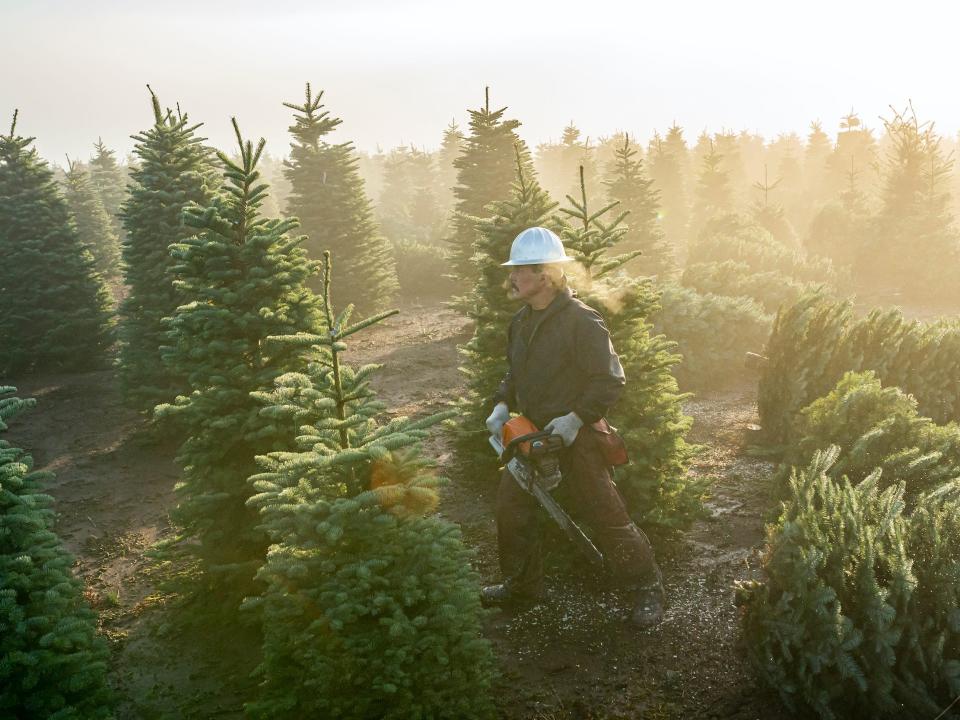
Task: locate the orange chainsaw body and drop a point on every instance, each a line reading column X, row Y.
column 517, row 427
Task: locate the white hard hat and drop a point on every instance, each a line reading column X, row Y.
column 536, row 246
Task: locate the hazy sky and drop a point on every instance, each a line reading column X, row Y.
column 398, row 72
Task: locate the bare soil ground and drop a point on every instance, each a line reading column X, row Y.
column 573, row 656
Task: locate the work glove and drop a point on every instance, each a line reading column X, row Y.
column 566, row 426
column 498, row 418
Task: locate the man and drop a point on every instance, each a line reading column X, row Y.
column 564, row 376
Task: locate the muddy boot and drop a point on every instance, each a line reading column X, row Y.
column 648, row 605
column 503, row 595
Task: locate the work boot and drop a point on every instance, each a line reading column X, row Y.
column 503, row 595
column 648, row 605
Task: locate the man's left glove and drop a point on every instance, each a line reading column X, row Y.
column 566, row 426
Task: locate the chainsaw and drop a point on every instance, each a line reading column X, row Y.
column 532, row 457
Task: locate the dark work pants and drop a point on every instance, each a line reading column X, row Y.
column 589, row 496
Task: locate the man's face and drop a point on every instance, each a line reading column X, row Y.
column 525, row 282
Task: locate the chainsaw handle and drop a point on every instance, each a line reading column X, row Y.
column 510, row 450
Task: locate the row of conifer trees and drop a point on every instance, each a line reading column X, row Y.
column 221, row 323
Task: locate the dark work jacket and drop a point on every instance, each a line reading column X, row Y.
column 569, row 363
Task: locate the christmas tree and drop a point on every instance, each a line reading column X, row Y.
column 669, row 167
column 371, row 609
column 840, row 231
column 913, row 237
column 629, row 185
column 815, row 157
column 408, row 210
column 649, row 415
column 242, row 279
column 94, row 226
column 327, row 195
column 489, row 305
column 856, row 614
column 486, row 170
column 52, row 662
column 713, row 196
column 110, row 181
column 175, row 170
column 557, row 163
column 53, row 305
column 769, row 214
column 451, row 145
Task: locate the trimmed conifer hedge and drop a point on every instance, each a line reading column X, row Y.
column 815, row 341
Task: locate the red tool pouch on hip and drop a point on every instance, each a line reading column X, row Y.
column 612, row 447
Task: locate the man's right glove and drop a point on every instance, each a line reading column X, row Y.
column 498, row 418
column 566, row 426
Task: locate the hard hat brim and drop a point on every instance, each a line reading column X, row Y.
column 536, row 262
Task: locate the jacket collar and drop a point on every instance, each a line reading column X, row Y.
column 563, row 298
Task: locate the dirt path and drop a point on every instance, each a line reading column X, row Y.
column 571, row 657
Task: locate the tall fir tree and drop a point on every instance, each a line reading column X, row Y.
column 650, row 414
column 713, row 197
column 856, row 147
column 816, row 155
column 485, row 172
column 327, row 195
column 175, row 169
column 451, row 146
column 489, row 305
column 52, row 662
column 368, row 594
column 783, row 159
column 408, row 210
column 53, row 304
column 628, row 184
column 93, row 224
column 110, row 181
column 913, row 237
column 730, row 148
column 669, row 166
column 841, row 229
column 242, row 279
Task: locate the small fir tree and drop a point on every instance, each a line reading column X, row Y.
column 53, row 304
column 485, row 173
column 175, row 169
column 94, row 226
column 243, row 279
column 327, row 195
column 650, row 414
column 629, row 185
column 371, row 609
column 52, row 662
column 769, row 213
column 489, row 305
